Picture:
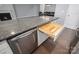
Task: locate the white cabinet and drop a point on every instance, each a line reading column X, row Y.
column 4, row 48
column 50, row 7
column 47, row 8
column 41, row 37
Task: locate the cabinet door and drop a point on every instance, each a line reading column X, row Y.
column 24, row 44
column 4, row 48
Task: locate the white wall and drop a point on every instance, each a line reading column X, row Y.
column 72, row 17
column 26, row 10
column 6, row 7
column 61, row 10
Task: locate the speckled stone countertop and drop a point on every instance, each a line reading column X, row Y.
column 12, row 28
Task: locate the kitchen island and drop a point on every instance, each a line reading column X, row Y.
column 26, row 35
column 12, row 28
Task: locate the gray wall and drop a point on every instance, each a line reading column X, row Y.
column 26, row 10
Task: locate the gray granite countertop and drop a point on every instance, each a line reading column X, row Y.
column 12, row 28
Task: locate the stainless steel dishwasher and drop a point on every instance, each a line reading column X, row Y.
column 24, row 43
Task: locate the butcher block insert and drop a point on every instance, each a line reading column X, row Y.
column 50, row 28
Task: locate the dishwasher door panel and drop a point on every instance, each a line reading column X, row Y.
column 24, row 43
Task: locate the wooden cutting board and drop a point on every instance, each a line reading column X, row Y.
column 50, row 28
